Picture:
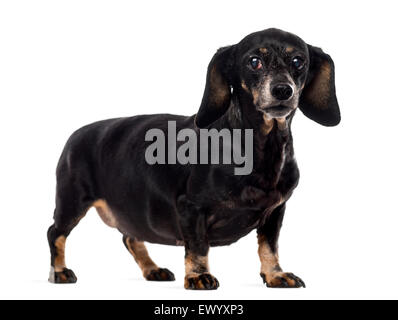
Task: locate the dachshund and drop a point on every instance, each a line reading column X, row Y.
column 257, row 85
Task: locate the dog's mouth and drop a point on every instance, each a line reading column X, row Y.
column 277, row 111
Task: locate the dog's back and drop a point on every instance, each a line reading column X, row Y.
column 93, row 167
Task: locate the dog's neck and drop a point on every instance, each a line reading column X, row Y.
column 242, row 114
column 272, row 139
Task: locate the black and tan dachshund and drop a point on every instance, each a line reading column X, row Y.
column 256, row 84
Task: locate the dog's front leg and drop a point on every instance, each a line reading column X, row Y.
column 268, row 235
column 194, row 231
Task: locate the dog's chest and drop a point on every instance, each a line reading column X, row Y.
column 247, row 203
column 266, row 191
column 265, row 188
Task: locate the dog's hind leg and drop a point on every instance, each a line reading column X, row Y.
column 72, row 204
column 58, row 271
column 57, row 234
column 149, row 269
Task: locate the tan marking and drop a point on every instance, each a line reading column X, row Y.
column 105, row 213
column 268, row 124
column 318, row 90
column 219, row 90
column 141, row 256
column 256, row 96
column 282, row 124
column 200, row 285
column 274, row 279
column 263, row 50
column 193, row 263
column 244, row 86
column 281, row 200
column 59, row 261
column 270, row 265
column 269, row 260
column 63, row 277
column 289, row 49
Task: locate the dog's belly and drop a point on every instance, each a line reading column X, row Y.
column 225, row 227
column 229, row 225
column 153, row 217
column 154, row 226
column 227, row 221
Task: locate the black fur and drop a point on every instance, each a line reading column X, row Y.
column 194, row 205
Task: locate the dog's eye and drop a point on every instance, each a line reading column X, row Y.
column 298, row 63
column 256, row 63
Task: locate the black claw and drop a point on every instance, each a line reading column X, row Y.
column 206, row 280
column 69, row 273
column 215, row 283
column 295, row 279
column 263, row 277
column 191, row 283
column 168, row 273
column 171, row 275
column 212, row 283
column 299, row 282
column 284, row 283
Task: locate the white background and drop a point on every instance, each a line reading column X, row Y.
column 64, row 64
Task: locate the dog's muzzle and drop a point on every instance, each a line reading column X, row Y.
column 278, row 111
column 282, row 91
column 282, row 96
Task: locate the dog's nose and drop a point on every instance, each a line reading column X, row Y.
column 282, row 91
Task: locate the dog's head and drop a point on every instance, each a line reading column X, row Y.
column 277, row 72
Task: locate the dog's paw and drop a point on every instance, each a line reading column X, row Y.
column 282, row 280
column 160, row 275
column 203, row 281
column 64, row 276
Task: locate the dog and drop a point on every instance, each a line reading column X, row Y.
column 256, row 84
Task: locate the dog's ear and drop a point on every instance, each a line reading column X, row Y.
column 318, row 100
column 217, row 95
